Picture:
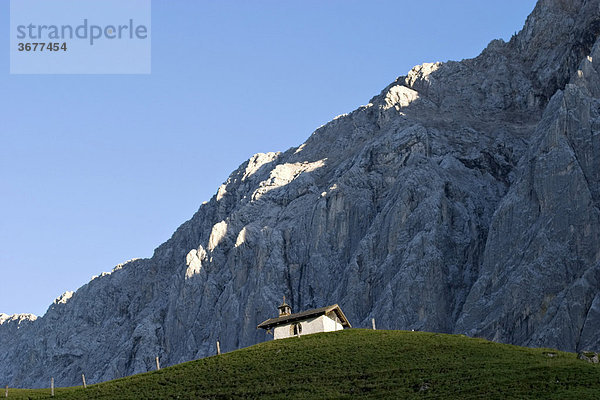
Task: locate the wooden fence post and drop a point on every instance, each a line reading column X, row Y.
column 83, row 379
column 218, row 348
column 373, row 321
column 157, row 364
column 6, row 392
column 52, row 387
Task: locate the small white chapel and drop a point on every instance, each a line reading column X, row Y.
column 324, row 319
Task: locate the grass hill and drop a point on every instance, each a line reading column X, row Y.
column 360, row 363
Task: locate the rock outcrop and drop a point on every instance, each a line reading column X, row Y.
column 465, row 198
column 588, row 356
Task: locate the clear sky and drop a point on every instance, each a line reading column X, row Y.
column 96, row 170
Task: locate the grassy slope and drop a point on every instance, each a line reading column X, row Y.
column 378, row 364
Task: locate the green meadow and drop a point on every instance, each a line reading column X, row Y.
column 359, row 363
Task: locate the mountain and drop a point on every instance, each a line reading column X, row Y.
column 464, row 198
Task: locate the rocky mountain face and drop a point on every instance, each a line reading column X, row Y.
column 464, row 198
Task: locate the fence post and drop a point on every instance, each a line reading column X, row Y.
column 52, row 387
column 83, row 379
column 6, row 392
column 373, row 321
column 218, row 348
column 157, row 364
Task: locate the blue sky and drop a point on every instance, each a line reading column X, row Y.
column 96, row 170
